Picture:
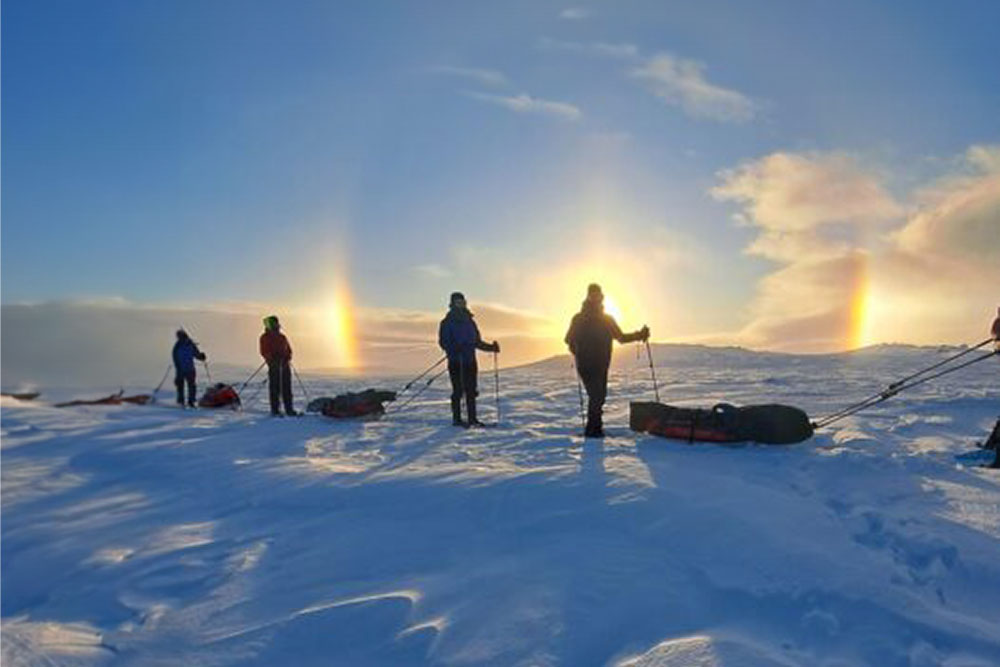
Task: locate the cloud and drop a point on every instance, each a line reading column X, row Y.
column 855, row 265
column 433, row 270
column 622, row 51
column 487, row 77
column 524, row 103
column 680, row 82
column 575, row 14
column 103, row 344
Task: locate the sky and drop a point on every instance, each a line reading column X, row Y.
column 784, row 175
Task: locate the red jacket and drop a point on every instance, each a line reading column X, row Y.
column 274, row 347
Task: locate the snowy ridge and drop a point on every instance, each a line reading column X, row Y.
column 150, row 535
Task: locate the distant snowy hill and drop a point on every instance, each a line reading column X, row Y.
column 149, row 535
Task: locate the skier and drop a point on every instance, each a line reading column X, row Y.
column 184, row 353
column 277, row 354
column 995, row 330
column 589, row 339
column 459, row 337
column 993, row 442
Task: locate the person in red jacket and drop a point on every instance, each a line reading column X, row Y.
column 277, row 354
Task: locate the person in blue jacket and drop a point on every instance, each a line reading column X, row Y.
column 184, row 354
column 459, row 337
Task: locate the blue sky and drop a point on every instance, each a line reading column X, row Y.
column 206, row 152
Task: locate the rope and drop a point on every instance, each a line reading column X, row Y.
column 416, row 379
column 301, row 385
column 165, row 375
column 420, row 391
column 901, row 385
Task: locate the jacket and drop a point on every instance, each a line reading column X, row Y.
column 274, row 347
column 591, row 334
column 459, row 336
column 184, row 353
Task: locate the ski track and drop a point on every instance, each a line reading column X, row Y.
column 150, row 535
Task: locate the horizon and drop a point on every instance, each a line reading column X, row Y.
column 785, row 179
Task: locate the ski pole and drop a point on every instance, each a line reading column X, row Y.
column 496, row 385
column 252, row 376
column 301, row 385
column 418, row 378
column 208, row 371
column 165, row 375
column 652, row 371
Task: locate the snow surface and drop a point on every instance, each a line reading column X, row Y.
column 151, row 535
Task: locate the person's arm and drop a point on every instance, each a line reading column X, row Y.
column 485, row 347
column 616, row 333
column 198, row 354
column 996, row 329
column 265, row 349
column 444, row 336
column 288, row 348
column 570, row 338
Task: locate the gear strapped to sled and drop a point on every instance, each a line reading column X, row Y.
column 345, row 406
column 766, row 424
column 219, row 395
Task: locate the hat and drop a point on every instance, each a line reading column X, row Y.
column 271, row 322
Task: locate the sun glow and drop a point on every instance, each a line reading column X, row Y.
column 861, row 312
column 339, row 316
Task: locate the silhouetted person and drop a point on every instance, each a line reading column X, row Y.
column 184, row 353
column 589, row 339
column 459, row 337
column 277, row 353
column 993, row 442
column 995, row 330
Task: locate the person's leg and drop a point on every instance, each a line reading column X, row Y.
column 470, row 380
column 179, row 384
column 286, row 388
column 595, row 380
column 192, row 388
column 455, row 375
column 273, row 385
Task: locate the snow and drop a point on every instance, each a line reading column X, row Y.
column 151, row 535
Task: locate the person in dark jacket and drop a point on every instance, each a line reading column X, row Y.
column 995, row 330
column 589, row 339
column 184, row 353
column 459, row 337
column 277, row 353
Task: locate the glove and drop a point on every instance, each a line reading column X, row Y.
column 496, row 347
column 644, row 333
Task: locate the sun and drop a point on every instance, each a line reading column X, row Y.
column 611, row 308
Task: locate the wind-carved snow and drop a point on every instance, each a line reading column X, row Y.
column 150, row 535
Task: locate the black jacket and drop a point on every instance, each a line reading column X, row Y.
column 591, row 333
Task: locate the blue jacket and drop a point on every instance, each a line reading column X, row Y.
column 185, row 352
column 459, row 336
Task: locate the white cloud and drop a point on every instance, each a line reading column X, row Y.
column 622, row 51
column 433, row 270
column 680, row 82
column 524, row 103
column 575, row 14
column 487, row 77
column 856, row 266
